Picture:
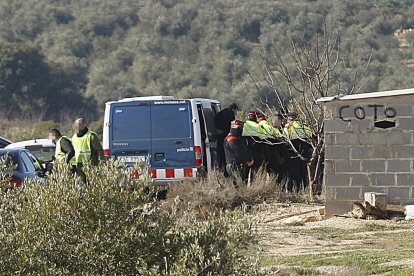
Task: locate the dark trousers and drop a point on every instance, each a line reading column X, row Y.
column 220, row 151
column 304, row 149
column 235, row 171
column 277, row 162
column 258, row 151
column 79, row 171
column 297, row 171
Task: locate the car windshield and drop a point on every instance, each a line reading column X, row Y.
column 43, row 154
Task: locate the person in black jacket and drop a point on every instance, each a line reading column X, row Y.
column 223, row 120
column 236, row 152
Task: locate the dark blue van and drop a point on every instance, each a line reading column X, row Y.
column 175, row 136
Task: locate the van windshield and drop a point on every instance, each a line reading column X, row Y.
column 171, row 121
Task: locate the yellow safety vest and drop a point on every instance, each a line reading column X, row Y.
column 294, row 130
column 251, row 128
column 59, row 154
column 82, row 147
column 277, row 133
column 266, row 129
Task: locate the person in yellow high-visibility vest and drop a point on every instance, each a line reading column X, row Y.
column 294, row 129
column 300, row 136
column 266, row 129
column 253, row 135
column 87, row 146
column 266, row 145
column 251, row 127
column 64, row 149
column 277, row 124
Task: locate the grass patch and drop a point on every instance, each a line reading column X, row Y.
column 404, row 272
column 334, row 233
column 17, row 130
column 323, row 233
column 384, row 245
column 366, row 262
column 372, row 226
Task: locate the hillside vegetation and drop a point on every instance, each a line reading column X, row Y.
column 63, row 58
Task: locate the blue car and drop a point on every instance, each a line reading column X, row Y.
column 19, row 165
column 4, row 142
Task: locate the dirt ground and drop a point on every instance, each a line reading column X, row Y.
column 337, row 246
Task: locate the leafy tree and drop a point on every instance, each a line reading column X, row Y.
column 312, row 70
column 33, row 89
column 24, row 79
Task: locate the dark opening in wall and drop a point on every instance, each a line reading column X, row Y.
column 384, row 124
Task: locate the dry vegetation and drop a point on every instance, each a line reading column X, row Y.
column 216, row 193
column 16, row 130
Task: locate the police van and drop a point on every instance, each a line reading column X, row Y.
column 176, row 137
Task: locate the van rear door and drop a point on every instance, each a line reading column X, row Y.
column 172, row 134
column 159, row 130
column 130, row 131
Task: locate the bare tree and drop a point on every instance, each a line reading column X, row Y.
column 311, row 70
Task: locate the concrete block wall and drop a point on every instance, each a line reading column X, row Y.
column 362, row 157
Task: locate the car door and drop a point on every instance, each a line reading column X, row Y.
column 207, row 158
column 27, row 169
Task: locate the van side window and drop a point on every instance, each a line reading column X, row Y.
column 209, row 118
column 202, row 124
column 216, row 108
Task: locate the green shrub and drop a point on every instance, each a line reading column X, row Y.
column 112, row 225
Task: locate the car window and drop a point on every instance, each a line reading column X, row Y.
column 27, row 162
column 44, row 154
column 35, row 162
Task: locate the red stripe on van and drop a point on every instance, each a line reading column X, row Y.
column 188, row 172
column 153, row 173
column 135, row 174
column 169, row 173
